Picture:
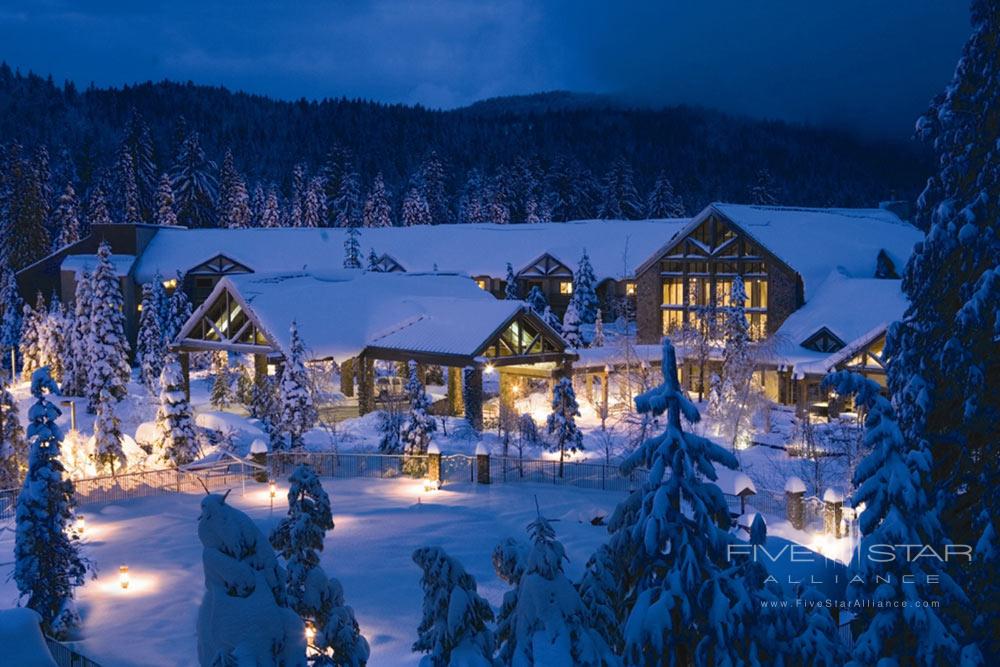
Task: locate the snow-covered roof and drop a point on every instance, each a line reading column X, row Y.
column 850, row 308
column 340, row 313
column 78, row 263
column 615, row 247
column 815, row 240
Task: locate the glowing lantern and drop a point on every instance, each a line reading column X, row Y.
column 488, row 368
column 310, row 633
column 79, row 525
column 123, row 577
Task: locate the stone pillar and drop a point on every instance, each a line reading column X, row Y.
column 588, row 387
column 185, row 359
column 795, row 491
column 455, row 405
column 347, row 377
column 482, row 465
column 507, row 382
column 258, row 454
column 472, row 395
column 434, row 464
column 833, row 512
column 259, row 367
column 366, row 385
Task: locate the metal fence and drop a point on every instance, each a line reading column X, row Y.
column 583, row 475
column 64, row 656
column 332, row 464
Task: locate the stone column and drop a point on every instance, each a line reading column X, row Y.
column 434, row 464
column 185, row 359
column 366, row 385
column 347, row 377
column 472, row 395
column 507, row 382
column 258, row 454
column 455, row 405
column 795, row 491
column 833, row 512
column 259, row 368
column 482, row 465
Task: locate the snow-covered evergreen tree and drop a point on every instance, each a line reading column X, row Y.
column 234, row 200
column 25, row 208
column 454, row 629
column 570, row 328
column 432, row 183
column 78, row 360
column 52, row 339
column 662, row 201
column 127, row 192
column 545, row 622
column 536, row 299
column 66, row 219
column 47, row 561
column 619, row 200
column 10, row 327
column 561, row 422
column 243, row 581
column 193, row 181
column 178, row 311
column 107, row 345
column 222, row 382
column 418, row 425
column 32, row 323
column 763, row 190
column 510, row 289
column 97, row 208
column 149, row 348
column 715, row 392
column 600, row 594
column 943, row 367
column 174, row 422
column 13, row 446
column 378, row 210
column 893, row 484
column 352, row 249
column 415, row 210
column 738, row 366
column 270, row 216
column 165, row 214
column 584, row 292
column 319, row 601
column 346, row 206
column 680, row 609
column 108, row 435
column 373, row 260
column 551, row 318
column 314, row 203
column 297, row 411
column 598, row 330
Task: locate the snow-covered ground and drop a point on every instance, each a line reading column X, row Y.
column 378, row 525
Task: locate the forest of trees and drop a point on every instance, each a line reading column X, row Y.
column 206, row 156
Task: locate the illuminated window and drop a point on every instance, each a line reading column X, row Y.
column 673, row 292
column 673, row 320
column 565, row 287
column 630, row 288
column 170, row 284
column 481, row 282
column 139, row 307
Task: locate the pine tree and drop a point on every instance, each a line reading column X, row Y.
column 893, row 484
column 373, row 261
column 943, row 368
column 108, row 434
column 662, row 202
column 270, row 216
column 32, row 322
column 128, row 190
column 562, row 421
column 97, row 208
column 620, row 201
column 415, row 210
column 545, row 621
column 471, row 208
column 66, row 219
column 136, row 140
column 178, row 311
column 599, row 592
column 161, row 301
column 319, row 601
column 598, row 330
column 498, row 199
column 149, row 348
column 378, row 210
column 454, row 628
column 680, row 527
column 584, row 293
column 194, row 185
column 13, row 446
column 165, row 214
column 48, row 564
column 510, row 289
column 738, row 364
column 347, row 204
column 297, row 411
column 314, row 204
column 419, row 425
column 257, row 205
column 108, row 348
column 234, row 201
column 536, row 299
column 53, row 339
column 222, row 382
column 178, row 439
column 78, row 360
column 762, row 192
column 293, row 214
column 10, row 327
column 352, row 249
column 431, row 181
column 570, row 328
column 24, row 234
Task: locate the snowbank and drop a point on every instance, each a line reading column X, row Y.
column 21, row 639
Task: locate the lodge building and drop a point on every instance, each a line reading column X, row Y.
column 822, row 285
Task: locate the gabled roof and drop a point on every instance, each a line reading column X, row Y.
column 813, row 241
column 78, row 263
column 615, row 247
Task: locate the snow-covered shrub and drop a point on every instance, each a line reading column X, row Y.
column 454, row 628
column 418, row 424
column 562, row 421
column 244, row 618
column 47, row 561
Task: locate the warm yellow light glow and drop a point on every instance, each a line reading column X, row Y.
column 79, row 525
column 170, row 284
column 139, row 307
column 273, row 490
column 630, row 288
column 489, row 369
column 123, row 577
column 565, row 287
column 515, row 390
column 431, row 485
column 272, row 369
column 481, row 283
column 310, row 633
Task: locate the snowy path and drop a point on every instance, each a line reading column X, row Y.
column 379, row 524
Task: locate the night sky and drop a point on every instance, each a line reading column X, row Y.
column 868, row 66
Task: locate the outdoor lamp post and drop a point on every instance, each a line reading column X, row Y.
column 72, row 413
column 123, row 577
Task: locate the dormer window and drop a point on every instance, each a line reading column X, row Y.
column 823, row 340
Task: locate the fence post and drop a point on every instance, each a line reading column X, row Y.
column 795, row 491
column 258, row 454
column 434, row 463
column 833, row 511
column 482, row 464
